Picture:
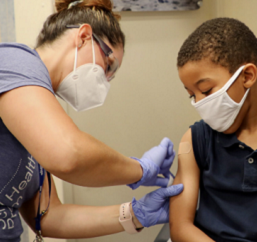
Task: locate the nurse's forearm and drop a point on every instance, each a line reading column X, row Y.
column 94, row 164
column 76, row 221
column 70, row 220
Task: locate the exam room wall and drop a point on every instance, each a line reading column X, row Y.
column 146, row 101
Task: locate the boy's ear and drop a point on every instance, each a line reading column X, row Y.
column 250, row 75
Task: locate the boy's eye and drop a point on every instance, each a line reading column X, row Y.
column 207, row 92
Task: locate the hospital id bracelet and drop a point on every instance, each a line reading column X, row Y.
column 126, row 219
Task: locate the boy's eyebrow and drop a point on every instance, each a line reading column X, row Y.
column 202, row 80
column 199, row 82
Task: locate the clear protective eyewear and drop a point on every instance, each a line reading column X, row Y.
column 112, row 61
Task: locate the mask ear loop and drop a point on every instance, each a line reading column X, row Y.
column 76, row 59
column 93, row 50
column 76, row 55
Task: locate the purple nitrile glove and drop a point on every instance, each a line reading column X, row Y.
column 157, row 160
column 153, row 208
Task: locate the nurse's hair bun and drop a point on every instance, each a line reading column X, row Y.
column 96, row 13
column 68, row 4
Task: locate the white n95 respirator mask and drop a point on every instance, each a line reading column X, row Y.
column 219, row 110
column 86, row 87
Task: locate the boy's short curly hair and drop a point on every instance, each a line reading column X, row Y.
column 225, row 41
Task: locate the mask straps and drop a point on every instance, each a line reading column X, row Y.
column 76, row 55
column 233, row 78
column 93, row 50
column 76, row 59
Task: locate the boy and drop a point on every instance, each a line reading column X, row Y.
column 218, row 155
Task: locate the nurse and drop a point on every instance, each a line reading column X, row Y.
column 78, row 52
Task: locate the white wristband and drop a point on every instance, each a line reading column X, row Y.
column 126, row 219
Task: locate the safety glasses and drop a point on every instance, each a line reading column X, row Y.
column 111, row 60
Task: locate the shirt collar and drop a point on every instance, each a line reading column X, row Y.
column 227, row 140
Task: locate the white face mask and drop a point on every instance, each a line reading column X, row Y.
column 86, row 87
column 218, row 110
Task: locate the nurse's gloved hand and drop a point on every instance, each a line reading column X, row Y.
column 153, row 208
column 157, row 160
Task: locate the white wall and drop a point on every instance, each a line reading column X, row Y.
column 147, row 101
column 244, row 10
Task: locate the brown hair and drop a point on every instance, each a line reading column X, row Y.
column 225, row 41
column 97, row 13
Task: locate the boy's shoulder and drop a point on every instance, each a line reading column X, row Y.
column 201, row 128
column 202, row 139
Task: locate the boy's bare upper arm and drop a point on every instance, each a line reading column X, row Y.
column 183, row 206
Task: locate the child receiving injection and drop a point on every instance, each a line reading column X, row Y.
column 218, row 155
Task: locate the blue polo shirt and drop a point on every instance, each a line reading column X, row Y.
column 228, row 185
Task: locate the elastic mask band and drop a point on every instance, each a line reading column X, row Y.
column 76, row 55
column 233, row 78
column 93, row 49
column 76, row 59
